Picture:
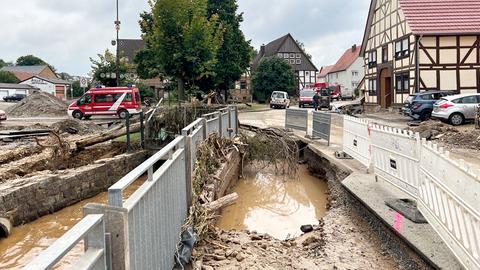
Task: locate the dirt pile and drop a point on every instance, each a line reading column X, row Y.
column 74, row 126
column 464, row 137
column 38, row 104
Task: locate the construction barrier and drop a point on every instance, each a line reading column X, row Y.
column 296, row 119
column 356, row 139
column 449, row 198
column 321, row 126
column 396, row 157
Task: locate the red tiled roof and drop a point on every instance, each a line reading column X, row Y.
column 442, row 16
column 346, row 60
column 22, row 76
column 324, row 71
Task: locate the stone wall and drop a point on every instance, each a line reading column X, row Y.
column 26, row 199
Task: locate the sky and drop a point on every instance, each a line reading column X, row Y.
column 65, row 33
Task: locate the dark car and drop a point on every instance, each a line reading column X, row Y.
column 15, row 97
column 419, row 106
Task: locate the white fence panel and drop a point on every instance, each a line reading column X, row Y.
column 356, row 139
column 213, row 122
column 396, row 157
column 449, row 198
column 225, row 116
column 234, row 119
column 296, row 119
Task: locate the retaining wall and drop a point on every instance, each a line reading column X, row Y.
column 26, row 199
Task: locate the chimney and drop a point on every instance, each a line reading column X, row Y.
column 262, row 50
column 354, row 47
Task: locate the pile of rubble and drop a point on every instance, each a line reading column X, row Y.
column 74, row 126
column 38, row 104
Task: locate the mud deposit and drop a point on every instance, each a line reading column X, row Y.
column 275, row 205
column 28, row 240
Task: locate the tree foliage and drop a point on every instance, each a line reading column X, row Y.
column 106, row 65
column 181, row 42
column 31, row 60
column 233, row 56
column 302, row 46
column 8, row 77
column 4, row 64
column 272, row 74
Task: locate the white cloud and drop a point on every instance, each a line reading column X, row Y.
column 66, row 33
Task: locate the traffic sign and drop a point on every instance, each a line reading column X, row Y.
column 83, row 82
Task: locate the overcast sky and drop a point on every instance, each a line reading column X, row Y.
column 66, row 33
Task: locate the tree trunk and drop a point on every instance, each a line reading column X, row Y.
column 222, row 202
column 226, row 95
column 103, row 137
column 181, row 88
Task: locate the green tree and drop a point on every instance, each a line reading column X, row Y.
column 31, row 60
column 8, row 77
column 106, row 65
column 233, row 57
column 302, row 46
column 77, row 90
column 181, row 42
column 272, row 74
column 4, row 64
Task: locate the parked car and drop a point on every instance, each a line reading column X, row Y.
column 14, row 97
column 456, row 109
column 420, row 105
column 3, row 116
column 120, row 101
column 306, row 98
column 279, row 100
column 341, row 93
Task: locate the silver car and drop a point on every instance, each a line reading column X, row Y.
column 456, row 109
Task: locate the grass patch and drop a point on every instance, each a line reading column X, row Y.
column 134, row 137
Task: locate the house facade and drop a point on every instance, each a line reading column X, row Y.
column 322, row 76
column 288, row 49
column 348, row 71
column 56, row 87
column 9, row 89
column 408, row 48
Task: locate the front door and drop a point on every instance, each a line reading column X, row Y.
column 386, row 97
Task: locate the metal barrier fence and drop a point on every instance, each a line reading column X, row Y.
column 321, row 126
column 234, row 119
column 449, row 198
column 356, row 139
column 296, row 119
column 194, row 133
column 225, row 116
column 396, row 157
column 214, row 123
column 96, row 256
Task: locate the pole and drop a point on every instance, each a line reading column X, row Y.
column 117, row 70
column 127, row 125
column 142, row 130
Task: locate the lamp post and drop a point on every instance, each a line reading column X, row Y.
column 117, row 71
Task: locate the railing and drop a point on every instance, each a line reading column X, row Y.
column 214, row 122
column 396, row 157
column 449, row 199
column 321, row 126
column 356, row 139
column 296, row 119
column 234, row 119
column 91, row 229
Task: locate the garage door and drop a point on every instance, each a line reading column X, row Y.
column 21, row 92
column 3, row 93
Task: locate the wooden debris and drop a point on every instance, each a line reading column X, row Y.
column 222, row 202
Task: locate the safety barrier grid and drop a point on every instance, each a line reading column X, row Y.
column 96, row 256
column 396, row 157
column 296, row 119
column 449, row 198
column 356, row 139
column 150, row 220
column 321, row 126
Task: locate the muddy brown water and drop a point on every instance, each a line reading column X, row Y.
column 275, row 204
column 28, row 240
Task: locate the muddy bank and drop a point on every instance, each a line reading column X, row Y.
column 25, row 199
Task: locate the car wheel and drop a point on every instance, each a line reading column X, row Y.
column 456, row 119
column 77, row 115
column 425, row 115
column 123, row 114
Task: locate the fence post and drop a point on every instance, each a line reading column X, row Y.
column 204, row 129
column 127, row 126
column 188, row 165
column 142, row 130
column 230, row 127
column 219, row 115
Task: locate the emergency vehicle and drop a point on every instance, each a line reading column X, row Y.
column 120, row 101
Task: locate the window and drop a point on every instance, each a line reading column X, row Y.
column 243, row 85
column 355, row 73
column 385, row 54
column 372, row 87
column 372, row 59
column 354, row 85
column 87, row 99
column 468, row 100
column 128, row 98
column 292, row 61
column 299, row 61
column 299, row 55
column 403, row 83
column 292, row 55
column 285, row 55
column 280, row 55
column 402, row 48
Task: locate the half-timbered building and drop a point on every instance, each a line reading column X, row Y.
column 288, row 49
column 416, row 45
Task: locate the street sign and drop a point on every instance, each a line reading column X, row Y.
column 83, row 82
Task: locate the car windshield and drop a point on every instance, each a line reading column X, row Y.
column 278, row 95
column 410, row 99
column 307, row 93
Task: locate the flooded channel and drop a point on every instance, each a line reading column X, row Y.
column 28, row 240
column 274, row 204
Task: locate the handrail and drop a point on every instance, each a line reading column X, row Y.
column 115, row 192
column 53, row 254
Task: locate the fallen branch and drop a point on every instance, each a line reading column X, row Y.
column 106, row 136
column 222, row 202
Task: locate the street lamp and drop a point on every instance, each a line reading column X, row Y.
column 117, row 27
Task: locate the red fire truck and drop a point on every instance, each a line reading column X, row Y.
column 120, row 101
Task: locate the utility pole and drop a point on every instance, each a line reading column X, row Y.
column 117, row 71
